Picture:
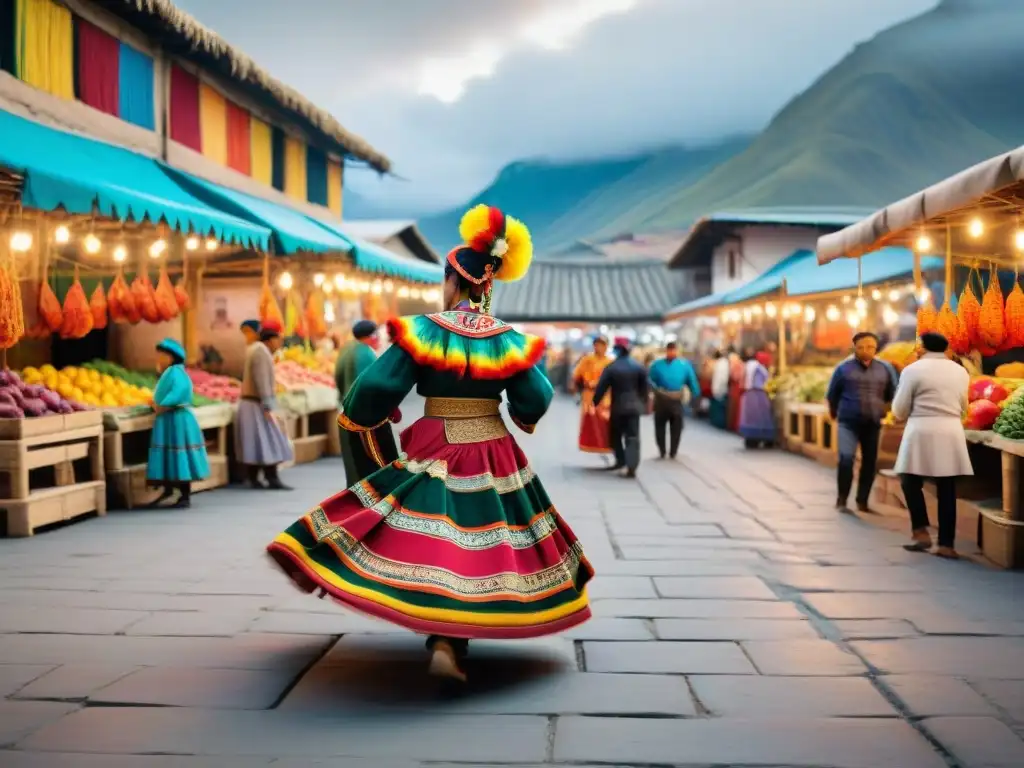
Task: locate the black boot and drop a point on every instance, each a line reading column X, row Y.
column 167, row 493
column 185, row 498
column 252, row 476
column 274, row 480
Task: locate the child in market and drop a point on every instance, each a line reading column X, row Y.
column 177, row 450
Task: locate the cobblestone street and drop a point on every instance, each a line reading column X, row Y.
column 739, row 621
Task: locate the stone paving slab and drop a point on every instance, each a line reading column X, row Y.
column 802, row 657
column 68, row 621
column 191, row 687
column 695, row 609
column 734, row 629
column 875, row 629
column 724, row 587
column 14, row 677
column 930, row 695
column 18, row 719
column 807, row 743
column 11, row 759
column 667, row 658
column 978, row 742
column 191, row 625
column 966, row 657
column 170, row 730
column 764, row 697
column 74, row 682
column 1007, row 695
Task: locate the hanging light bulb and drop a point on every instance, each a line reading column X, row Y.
column 414, row 293
column 156, row 250
column 403, row 292
column 62, row 235
column 890, row 316
column 327, row 288
column 876, row 295
column 92, row 244
column 923, row 244
column 847, row 299
column 339, row 281
column 377, row 287
column 318, row 279
column 364, row 286
column 923, row 295
column 1018, row 239
column 861, row 304
column 853, row 318
column 976, row 228
column 832, row 313
column 120, row 254
column 329, row 316
column 388, row 286
column 211, row 244
column 756, row 310
column 285, row 281
column 770, row 310
column 192, row 244
column 809, row 314
column 894, row 295
column 21, row 241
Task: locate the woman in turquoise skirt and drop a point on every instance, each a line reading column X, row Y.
column 177, row 451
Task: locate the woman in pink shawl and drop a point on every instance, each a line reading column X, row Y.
column 757, row 422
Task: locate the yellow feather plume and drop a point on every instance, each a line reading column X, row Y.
column 516, row 260
column 474, row 221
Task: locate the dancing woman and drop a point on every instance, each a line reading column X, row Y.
column 456, row 539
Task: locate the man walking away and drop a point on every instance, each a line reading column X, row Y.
column 669, row 377
column 931, row 398
column 626, row 379
column 358, row 449
column 858, row 396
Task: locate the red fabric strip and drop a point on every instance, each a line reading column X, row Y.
column 239, row 149
column 185, row 109
column 98, row 76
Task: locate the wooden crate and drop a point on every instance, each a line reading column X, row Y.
column 1001, row 539
column 48, row 477
column 19, row 429
column 316, row 435
column 127, row 488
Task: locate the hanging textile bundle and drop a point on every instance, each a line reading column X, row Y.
column 181, row 294
column 98, row 307
column 270, row 312
column 291, row 313
column 145, row 300
column 315, row 323
column 166, row 302
column 49, row 306
column 121, row 303
column 991, row 322
column 926, row 318
column 1013, row 319
column 968, row 311
column 12, row 314
column 77, row 314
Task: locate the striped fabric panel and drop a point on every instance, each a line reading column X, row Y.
column 295, row 169
column 261, row 165
column 239, row 132
column 334, row 187
column 213, row 124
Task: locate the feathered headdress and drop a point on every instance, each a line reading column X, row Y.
column 497, row 247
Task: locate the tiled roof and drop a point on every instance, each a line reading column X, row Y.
column 401, row 237
column 593, row 291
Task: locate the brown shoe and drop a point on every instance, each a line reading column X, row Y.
column 947, row 552
column 862, row 506
column 444, row 662
column 922, row 541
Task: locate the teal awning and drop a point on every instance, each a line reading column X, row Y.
column 291, row 231
column 803, row 276
column 371, row 257
column 81, row 175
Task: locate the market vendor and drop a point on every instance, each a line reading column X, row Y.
column 177, row 450
column 363, row 453
column 260, row 442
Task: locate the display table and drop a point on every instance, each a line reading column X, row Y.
column 51, row 470
column 126, row 447
column 809, row 430
column 315, row 431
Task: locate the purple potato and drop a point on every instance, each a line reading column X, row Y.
column 33, row 406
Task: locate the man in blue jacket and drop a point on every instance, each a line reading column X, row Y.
column 858, row 398
column 669, row 377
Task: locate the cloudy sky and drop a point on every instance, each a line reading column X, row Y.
column 451, row 90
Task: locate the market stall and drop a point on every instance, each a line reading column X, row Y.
column 973, row 222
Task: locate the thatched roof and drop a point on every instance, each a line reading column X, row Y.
column 183, row 35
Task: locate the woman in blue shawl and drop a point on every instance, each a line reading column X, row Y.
column 177, row 451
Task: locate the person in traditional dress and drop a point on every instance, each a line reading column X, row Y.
column 735, row 389
column 718, row 408
column 594, row 420
column 457, row 539
column 670, row 377
column 354, row 358
column 177, row 450
column 757, row 422
column 260, row 442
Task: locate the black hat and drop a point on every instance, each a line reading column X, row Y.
column 253, row 325
column 364, row 329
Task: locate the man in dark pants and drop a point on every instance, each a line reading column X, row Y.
column 858, row 398
column 669, row 377
column 627, row 381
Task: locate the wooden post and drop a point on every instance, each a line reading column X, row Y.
column 190, row 317
column 781, row 365
column 1011, row 486
column 948, row 291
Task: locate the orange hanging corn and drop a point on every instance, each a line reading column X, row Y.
column 1013, row 318
column 968, row 311
column 926, row 318
column 12, row 317
column 991, row 327
column 947, row 324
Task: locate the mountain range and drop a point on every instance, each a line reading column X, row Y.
column 913, row 105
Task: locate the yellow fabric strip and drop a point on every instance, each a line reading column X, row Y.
column 261, row 144
column 213, row 124
column 46, row 47
column 434, row 614
column 295, row 169
column 334, row 182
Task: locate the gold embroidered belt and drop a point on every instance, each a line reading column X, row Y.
column 467, row 419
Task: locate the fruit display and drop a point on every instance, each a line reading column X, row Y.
column 213, row 387
column 24, row 398
column 320, row 361
column 899, row 354
column 802, row 386
column 292, row 375
column 89, row 386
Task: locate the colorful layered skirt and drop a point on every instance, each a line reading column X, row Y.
column 594, row 432
column 456, row 538
column 177, row 450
